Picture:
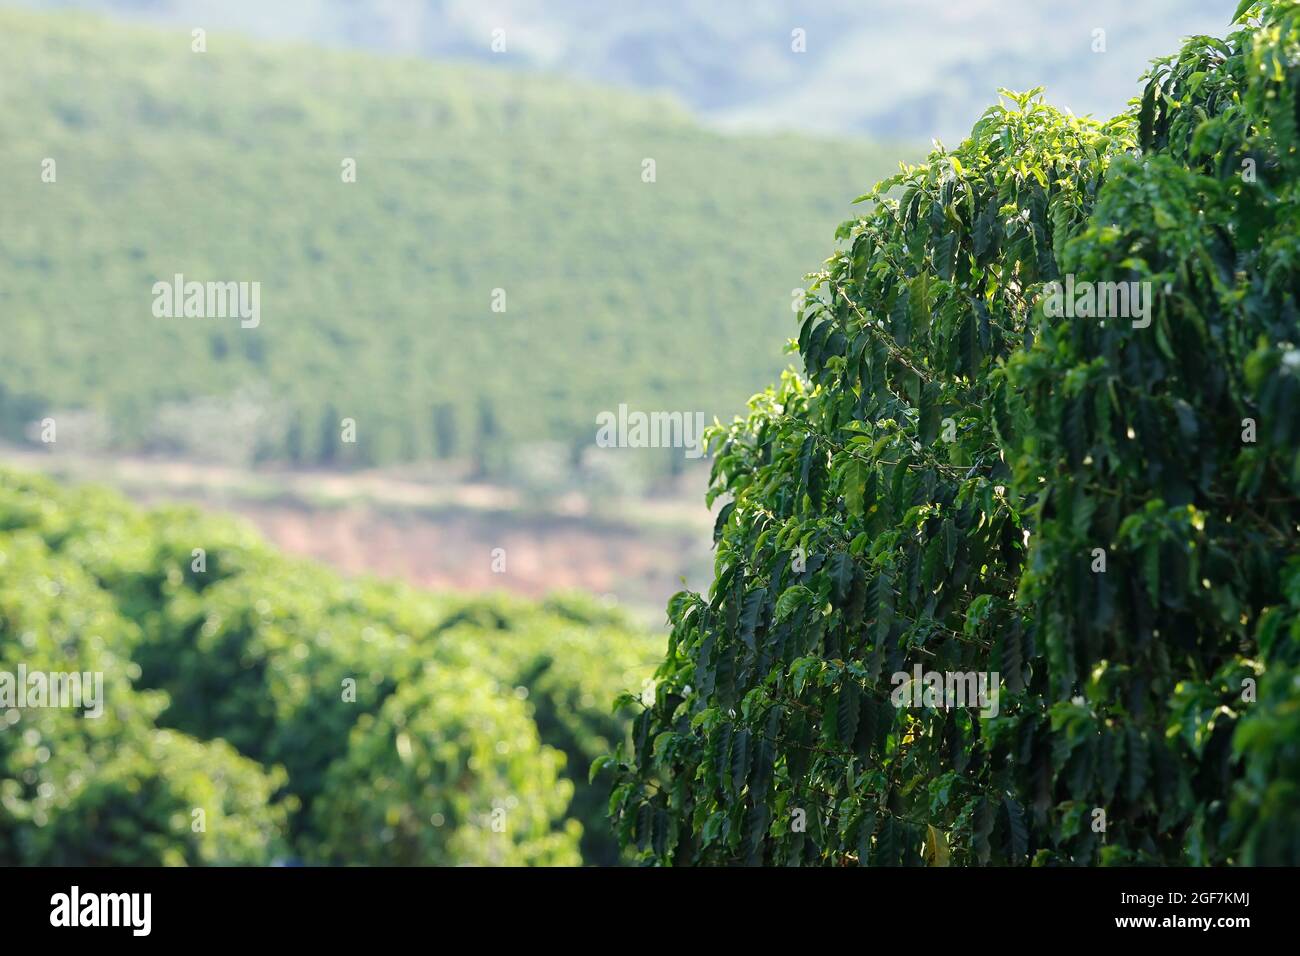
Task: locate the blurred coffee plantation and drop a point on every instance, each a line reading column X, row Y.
column 377, row 295
column 311, row 719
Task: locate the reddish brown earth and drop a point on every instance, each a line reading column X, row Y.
column 454, row 551
column 436, row 534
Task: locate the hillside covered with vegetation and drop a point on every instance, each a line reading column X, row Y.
column 377, row 296
column 258, row 709
column 1095, row 505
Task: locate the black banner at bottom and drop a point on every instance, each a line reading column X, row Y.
column 340, row 905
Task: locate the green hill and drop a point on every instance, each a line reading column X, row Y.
column 376, row 296
column 306, row 716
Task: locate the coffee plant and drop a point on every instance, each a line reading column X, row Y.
column 1096, row 506
column 309, row 718
column 114, row 789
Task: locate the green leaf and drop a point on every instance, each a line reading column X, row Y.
column 598, row 765
column 791, row 599
column 936, row 847
column 848, row 705
column 755, row 601
column 841, row 568
column 740, row 756
column 919, row 304
column 1017, row 830
column 1146, row 115
column 724, row 514
column 854, row 479
column 759, row 819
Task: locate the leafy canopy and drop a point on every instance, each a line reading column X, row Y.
column 948, row 478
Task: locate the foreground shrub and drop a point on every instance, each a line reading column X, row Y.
column 451, row 770
column 112, row 789
column 250, row 685
column 563, row 657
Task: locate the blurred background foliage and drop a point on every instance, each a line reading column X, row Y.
column 227, row 690
column 376, row 296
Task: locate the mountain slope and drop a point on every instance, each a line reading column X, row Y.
column 376, row 296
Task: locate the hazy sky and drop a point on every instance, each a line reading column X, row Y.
column 911, row 69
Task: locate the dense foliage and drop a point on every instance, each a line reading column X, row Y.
column 308, row 717
column 377, row 296
column 1101, row 508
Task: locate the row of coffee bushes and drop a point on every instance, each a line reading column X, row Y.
column 257, row 709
